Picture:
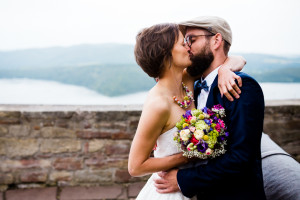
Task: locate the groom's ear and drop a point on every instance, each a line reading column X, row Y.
column 217, row 41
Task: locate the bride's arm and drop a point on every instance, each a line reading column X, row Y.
column 154, row 117
column 226, row 78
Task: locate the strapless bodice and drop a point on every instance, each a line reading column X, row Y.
column 165, row 144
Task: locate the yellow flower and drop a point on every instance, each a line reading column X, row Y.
column 205, row 137
column 184, row 125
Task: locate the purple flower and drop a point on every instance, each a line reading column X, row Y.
column 210, row 112
column 218, row 107
column 204, row 110
column 202, row 146
column 221, row 138
column 187, row 114
column 207, row 121
column 226, row 134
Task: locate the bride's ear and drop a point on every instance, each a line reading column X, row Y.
column 168, row 60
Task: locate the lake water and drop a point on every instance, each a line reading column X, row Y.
column 28, row 91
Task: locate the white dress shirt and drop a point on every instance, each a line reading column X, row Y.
column 202, row 98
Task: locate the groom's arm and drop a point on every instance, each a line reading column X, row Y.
column 245, row 126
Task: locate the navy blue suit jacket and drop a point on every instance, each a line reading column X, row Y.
column 238, row 173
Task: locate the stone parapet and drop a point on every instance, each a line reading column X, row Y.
column 78, row 146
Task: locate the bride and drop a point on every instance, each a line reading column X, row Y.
column 161, row 52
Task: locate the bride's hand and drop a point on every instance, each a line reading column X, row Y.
column 226, row 78
column 227, row 84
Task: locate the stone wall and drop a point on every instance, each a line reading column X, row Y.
column 62, row 146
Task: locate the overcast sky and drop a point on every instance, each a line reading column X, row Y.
column 259, row 26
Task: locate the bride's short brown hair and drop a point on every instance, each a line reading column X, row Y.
column 154, row 46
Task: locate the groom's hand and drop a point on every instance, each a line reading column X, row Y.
column 167, row 182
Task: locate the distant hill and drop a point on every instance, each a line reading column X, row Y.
column 111, row 70
column 80, row 55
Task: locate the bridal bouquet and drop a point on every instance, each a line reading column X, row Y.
column 202, row 133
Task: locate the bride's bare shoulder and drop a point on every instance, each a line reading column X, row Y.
column 156, row 101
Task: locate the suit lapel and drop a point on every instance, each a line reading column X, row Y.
column 210, row 99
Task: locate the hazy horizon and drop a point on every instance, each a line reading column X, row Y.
column 29, row 91
column 111, row 43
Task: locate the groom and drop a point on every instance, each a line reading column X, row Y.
column 238, row 173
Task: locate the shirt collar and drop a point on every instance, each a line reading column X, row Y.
column 211, row 77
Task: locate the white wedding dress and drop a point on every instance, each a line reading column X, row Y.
column 165, row 147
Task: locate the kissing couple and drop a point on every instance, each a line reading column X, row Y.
column 191, row 63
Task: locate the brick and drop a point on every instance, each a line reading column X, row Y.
column 83, row 115
column 93, row 176
column 6, row 179
column 67, row 164
column 48, row 115
column 107, row 134
column 21, row 147
column 35, row 163
column 47, row 123
column 92, row 193
column 122, row 135
column 3, row 188
column 100, row 161
column 122, row 126
column 3, row 130
column 60, row 176
column 19, row 130
column 135, row 188
column 63, row 123
column 10, row 117
column 116, row 115
column 122, row 176
column 111, row 116
column 292, row 147
column 3, row 146
column 88, row 134
column 60, row 145
column 134, row 123
column 34, row 177
column 32, row 194
column 56, row 132
column 96, row 145
column 12, row 165
column 117, row 147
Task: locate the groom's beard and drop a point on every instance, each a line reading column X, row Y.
column 200, row 62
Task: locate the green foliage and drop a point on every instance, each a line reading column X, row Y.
column 278, row 75
column 110, row 80
column 110, row 69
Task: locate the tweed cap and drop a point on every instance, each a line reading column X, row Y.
column 212, row 24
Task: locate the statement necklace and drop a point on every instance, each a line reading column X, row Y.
column 187, row 100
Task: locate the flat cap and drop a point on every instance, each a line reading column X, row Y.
column 212, row 24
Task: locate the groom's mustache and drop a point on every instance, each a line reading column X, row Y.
column 190, row 54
